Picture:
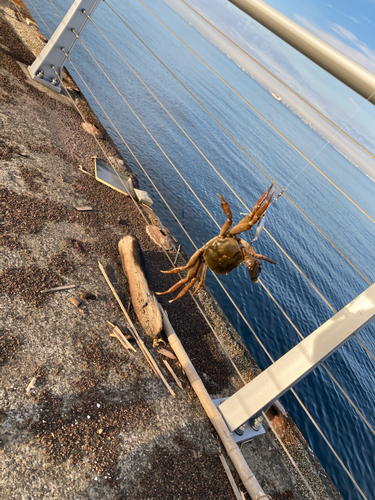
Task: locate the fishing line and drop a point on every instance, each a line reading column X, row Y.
column 258, row 113
column 239, row 145
column 192, row 190
column 332, row 137
column 307, row 413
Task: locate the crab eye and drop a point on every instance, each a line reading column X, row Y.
column 255, row 271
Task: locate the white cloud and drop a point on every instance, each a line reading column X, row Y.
column 360, row 53
column 344, row 33
column 354, row 19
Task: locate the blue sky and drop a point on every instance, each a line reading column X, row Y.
column 348, row 26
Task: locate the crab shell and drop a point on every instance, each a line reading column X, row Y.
column 223, row 255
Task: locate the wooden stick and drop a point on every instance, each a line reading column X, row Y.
column 247, row 477
column 132, row 328
column 57, row 288
column 114, row 326
column 176, row 379
column 124, row 341
column 169, row 354
column 231, row 478
column 135, row 334
column 83, row 209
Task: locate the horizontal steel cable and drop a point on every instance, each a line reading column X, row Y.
column 342, row 390
column 144, row 217
column 193, row 192
column 226, row 131
column 279, row 80
column 268, row 354
column 235, row 305
column 194, row 298
column 245, row 319
column 259, row 114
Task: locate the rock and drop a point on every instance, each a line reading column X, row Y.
column 40, row 36
column 160, row 237
column 91, row 129
column 279, row 424
column 151, row 215
column 143, row 197
column 31, row 23
column 116, row 161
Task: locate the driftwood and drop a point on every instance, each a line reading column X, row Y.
column 144, row 300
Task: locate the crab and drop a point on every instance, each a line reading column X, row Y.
column 224, row 252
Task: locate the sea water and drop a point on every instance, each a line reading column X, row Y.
column 332, row 212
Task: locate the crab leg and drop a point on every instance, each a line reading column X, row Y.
column 192, row 261
column 263, row 257
column 228, row 213
column 250, row 251
column 193, row 271
column 203, row 277
column 259, row 208
column 175, row 286
column 189, row 285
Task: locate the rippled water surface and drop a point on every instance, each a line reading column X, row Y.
column 340, row 220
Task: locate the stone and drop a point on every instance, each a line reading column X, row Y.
column 91, row 129
column 143, row 197
column 279, row 425
column 161, row 238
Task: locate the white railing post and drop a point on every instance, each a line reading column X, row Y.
column 273, row 382
column 47, row 67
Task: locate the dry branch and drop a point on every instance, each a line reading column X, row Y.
column 176, row 379
column 121, row 337
column 58, row 288
column 169, row 354
column 135, row 334
column 231, row 478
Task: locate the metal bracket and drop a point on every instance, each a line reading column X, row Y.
column 248, row 434
column 278, row 378
column 47, row 67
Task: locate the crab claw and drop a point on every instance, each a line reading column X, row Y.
column 259, row 208
column 262, row 198
column 255, row 271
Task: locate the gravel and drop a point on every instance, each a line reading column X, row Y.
column 98, row 424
